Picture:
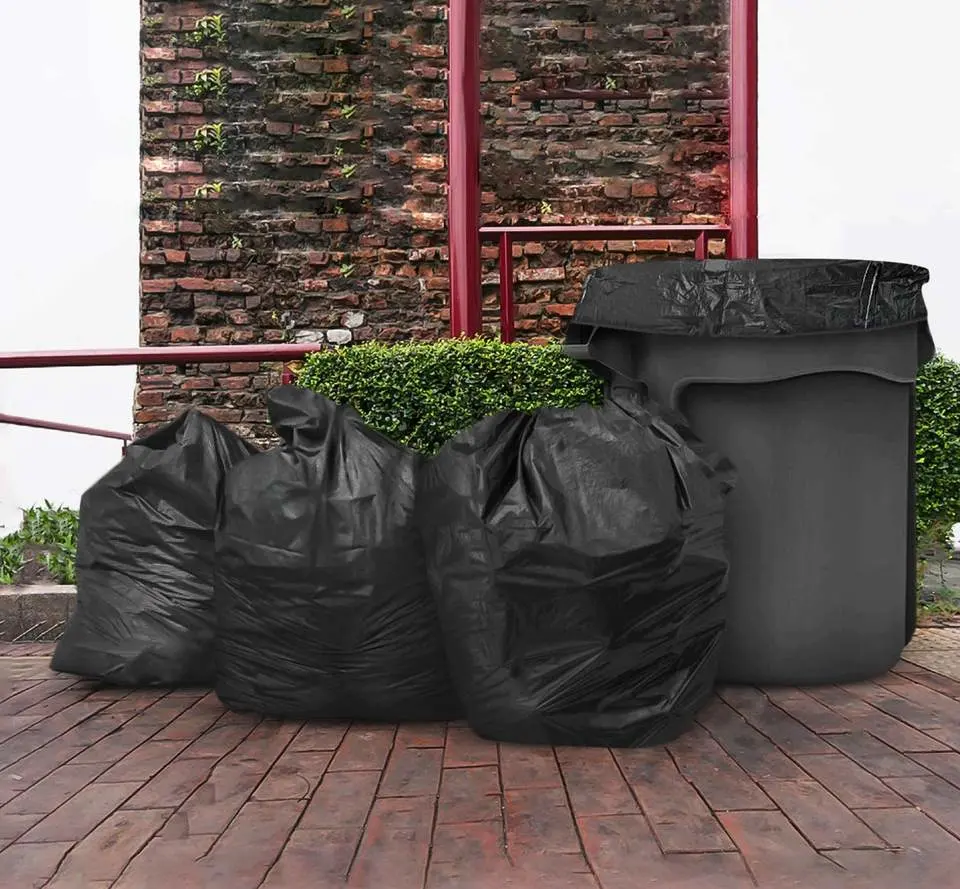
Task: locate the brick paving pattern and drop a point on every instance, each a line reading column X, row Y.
column 854, row 785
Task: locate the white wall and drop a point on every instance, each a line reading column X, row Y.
column 859, row 153
column 858, row 158
column 69, row 230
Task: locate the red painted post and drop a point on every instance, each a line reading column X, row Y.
column 463, row 158
column 507, row 320
column 743, row 129
column 702, row 249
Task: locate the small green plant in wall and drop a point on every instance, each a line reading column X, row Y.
column 208, row 31
column 210, row 139
column 208, row 189
column 347, row 269
column 210, row 82
column 347, row 111
column 348, row 12
column 348, row 171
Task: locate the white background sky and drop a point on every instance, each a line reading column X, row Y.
column 859, row 158
column 69, row 236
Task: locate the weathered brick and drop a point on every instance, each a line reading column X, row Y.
column 395, row 844
column 594, row 782
column 105, row 852
column 553, row 274
column 717, row 778
column 288, row 193
column 343, row 799
column 185, row 334
column 643, row 189
column 469, row 794
column 295, row 775
column 251, row 844
column 81, row 814
column 524, row 767
column 314, row 857
column 539, row 821
column 677, row 814
column 363, row 748
column 851, row 784
column 776, row 852
column 787, row 733
column 412, row 771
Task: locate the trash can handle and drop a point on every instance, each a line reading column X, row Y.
column 676, row 391
column 578, row 352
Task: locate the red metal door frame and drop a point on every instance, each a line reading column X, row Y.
column 463, row 134
column 463, row 158
column 743, row 129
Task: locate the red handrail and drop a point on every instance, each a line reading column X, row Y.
column 155, row 355
column 139, row 356
column 13, row 420
column 507, row 236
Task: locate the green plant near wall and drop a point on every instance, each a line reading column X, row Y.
column 938, row 448
column 209, row 31
column 421, row 394
column 210, row 138
column 210, row 82
column 51, row 533
column 11, row 559
column 208, row 189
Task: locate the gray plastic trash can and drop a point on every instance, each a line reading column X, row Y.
column 802, row 373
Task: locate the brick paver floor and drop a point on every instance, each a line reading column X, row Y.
column 839, row 785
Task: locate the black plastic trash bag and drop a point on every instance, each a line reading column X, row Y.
column 578, row 563
column 323, row 605
column 144, row 614
column 752, row 298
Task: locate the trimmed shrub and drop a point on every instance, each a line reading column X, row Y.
column 422, row 394
column 938, row 448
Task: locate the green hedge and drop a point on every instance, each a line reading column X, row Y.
column 421, row 394
column 938, row 447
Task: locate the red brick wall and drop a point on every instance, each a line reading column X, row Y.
column 322, row 217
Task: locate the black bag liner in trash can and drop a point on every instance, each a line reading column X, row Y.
column 577, row 560
column 144, row 614
column 322, row 600
column 802, row 373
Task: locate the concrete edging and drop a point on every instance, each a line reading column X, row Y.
column 34, row 609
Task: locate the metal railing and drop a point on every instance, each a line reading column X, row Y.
column 175, row 355
column 32, row 423
column 507, row 236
